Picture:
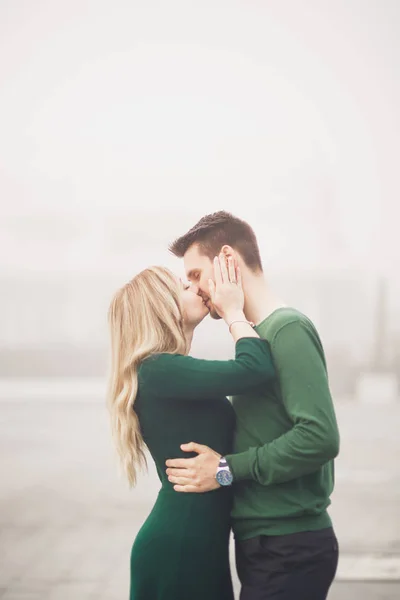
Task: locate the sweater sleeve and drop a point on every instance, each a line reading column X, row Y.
column 313, row 439
column 184, row 377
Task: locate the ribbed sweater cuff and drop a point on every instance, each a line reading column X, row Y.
column 239, row 465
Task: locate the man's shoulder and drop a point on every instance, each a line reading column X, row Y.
column 280, row 319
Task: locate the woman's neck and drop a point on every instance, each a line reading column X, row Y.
column 189, row 338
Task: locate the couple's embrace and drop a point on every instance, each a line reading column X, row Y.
column 261, row 464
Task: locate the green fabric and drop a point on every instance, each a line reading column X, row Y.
column 286, row 436
column 182, row 550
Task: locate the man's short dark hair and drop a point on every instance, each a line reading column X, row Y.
column 214, row 231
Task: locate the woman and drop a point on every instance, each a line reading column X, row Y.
column 159, row 397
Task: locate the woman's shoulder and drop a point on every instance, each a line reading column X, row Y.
column 158, row 363
column 158, row 372
column 158, row 360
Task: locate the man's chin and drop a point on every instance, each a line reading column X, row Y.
column 214, row 314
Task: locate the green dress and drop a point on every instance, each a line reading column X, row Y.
column 182, row 550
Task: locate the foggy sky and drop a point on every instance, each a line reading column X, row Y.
column 284, row 113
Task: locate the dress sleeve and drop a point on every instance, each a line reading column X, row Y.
column 184, row 377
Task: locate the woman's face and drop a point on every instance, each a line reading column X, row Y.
column 193, row 306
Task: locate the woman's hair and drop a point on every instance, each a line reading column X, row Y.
column 145, row 317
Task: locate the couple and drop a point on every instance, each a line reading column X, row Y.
column 262, row 464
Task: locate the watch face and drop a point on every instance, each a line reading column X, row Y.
column 224, row 477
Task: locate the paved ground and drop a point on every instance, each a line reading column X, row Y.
column 67, row 523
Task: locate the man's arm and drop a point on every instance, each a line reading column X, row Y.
column 314, row 438
column 311, row 442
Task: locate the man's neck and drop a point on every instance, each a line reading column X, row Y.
column 259, row 301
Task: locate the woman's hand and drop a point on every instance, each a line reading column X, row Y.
column 227, row 293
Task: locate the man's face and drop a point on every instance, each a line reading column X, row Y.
column 199, row 269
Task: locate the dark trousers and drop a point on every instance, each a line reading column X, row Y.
column 299, row 566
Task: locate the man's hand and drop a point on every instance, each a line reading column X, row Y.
column 194, row 474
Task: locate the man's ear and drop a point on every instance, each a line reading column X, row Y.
column 229, row 252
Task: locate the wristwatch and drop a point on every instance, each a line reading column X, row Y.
column 223, row 474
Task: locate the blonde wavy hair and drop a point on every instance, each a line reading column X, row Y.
column 145, row 317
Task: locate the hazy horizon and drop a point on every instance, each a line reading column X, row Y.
column 122, row 124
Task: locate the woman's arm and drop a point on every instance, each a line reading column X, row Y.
column 184, row 377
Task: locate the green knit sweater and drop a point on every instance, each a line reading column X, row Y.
column 286, row 436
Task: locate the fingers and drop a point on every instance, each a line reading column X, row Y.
column 211, row 290
column 182, row 476
column 194, row 447
column 180, row 463
column 186, row 473
column 231, row 270
column 217, row 272
column 188, row 488
column 180, row 480
column 224, row 270
column 239, row 276
column 197, row 488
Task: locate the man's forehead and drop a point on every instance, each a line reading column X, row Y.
column 193, row 260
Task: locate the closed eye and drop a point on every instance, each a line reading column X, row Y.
column 185, row 285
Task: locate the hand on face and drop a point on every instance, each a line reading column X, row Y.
column 226, row 293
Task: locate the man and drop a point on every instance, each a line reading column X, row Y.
column 286, row 438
